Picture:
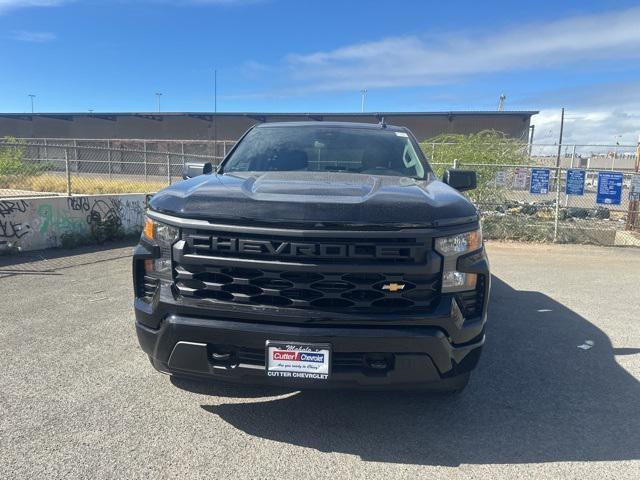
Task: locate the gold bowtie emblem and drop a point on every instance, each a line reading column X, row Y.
column 393, row 287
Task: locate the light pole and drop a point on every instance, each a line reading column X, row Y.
column 615, row 152
column 215, row 113
column 32, row 97
column 503, row 97
column 158, row 95
column 363, row 93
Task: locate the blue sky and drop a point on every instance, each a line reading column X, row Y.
column 304, row 56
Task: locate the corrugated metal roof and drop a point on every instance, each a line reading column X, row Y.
column 528, row 113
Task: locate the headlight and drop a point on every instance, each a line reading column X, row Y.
column 159, row 233
column 164, row 236
column 460, row 243
column 451, row 248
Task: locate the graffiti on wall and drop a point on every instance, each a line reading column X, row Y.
column 130, row 212
column 78, row 204
column 7, row 207
column 60, row 220
column 47, row 222
column 11, row 227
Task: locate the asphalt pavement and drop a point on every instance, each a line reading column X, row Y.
column 79, row 399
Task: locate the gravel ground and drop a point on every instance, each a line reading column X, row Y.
column 80, row 400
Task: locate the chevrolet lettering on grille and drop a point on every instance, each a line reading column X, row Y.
column 287, row 248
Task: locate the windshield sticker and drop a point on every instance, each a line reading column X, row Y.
column 402, row 134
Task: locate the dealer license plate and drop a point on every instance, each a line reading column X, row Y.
column 309, row 361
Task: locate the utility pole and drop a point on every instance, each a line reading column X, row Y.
column 634, row 205
column 158, row 95
column 560, row 140
column 215, row 113
column 503, row 97
column 363, row 94
column 615, row 152
column 557, row 212
column 32, row 97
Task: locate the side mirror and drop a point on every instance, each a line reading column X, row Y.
column 191, row 170
column 460, row 179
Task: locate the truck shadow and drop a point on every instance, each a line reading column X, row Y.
column 535, row 397
column 55, row 260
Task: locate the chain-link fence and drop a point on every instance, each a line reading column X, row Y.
column 566, row 193
column 571, row 193
column 98, row 166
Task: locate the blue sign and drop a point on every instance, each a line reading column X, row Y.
column 540, row 180
column 609, row 188
column 575, row 182
column 634, row 187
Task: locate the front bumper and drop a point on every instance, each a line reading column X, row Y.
column 413, row 355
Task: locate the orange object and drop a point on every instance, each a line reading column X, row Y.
column 148, row 229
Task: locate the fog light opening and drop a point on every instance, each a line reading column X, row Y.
column 148, row 266
column 454, row 281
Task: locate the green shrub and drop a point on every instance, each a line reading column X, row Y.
column 12, row 160
column 11, row 155
column 483, row 152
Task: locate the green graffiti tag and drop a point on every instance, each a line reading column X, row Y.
column 60, row 221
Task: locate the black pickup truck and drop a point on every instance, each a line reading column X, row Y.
column 317, row 254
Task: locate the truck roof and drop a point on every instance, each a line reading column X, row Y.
column 368, row 126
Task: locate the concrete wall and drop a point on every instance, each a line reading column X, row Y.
column 200, row 126
column 47, row 222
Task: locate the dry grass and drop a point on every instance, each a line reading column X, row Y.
column 79, row 185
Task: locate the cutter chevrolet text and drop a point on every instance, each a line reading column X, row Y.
column 315, row 255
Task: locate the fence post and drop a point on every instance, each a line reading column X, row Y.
column 557, row 214
column 182, row 152
column 109, row 156
column 68, row 170
column 75, row 152
column 144, row 147
column 573, row 156
column 433, row 151
column 168, row 169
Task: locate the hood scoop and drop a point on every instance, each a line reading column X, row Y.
column 299, row 186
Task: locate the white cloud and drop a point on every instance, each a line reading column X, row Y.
column 587, row 127
column 600, row 113
column 6, row 5
column 418, row 61
column 33, row 37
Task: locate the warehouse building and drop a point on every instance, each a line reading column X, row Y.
column 229, row 126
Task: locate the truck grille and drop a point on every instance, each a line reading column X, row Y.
column 334, row 250
column 310, row 281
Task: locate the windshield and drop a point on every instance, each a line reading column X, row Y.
column 327, row 149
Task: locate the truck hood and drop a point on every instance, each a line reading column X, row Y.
column 325, row 198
